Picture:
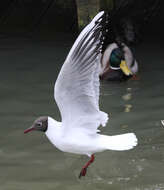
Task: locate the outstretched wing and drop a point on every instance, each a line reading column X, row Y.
column 77, row 86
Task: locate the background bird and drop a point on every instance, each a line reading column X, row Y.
column 125, row 29
column 77, row 95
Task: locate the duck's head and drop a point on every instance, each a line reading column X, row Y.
column 40, row 124
column 117, row 62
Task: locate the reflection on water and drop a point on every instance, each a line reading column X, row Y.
column 29, row 68
column 126, row 97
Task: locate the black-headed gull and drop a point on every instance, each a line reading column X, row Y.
column 77, row 95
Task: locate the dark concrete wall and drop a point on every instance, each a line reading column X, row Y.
column 32, row 15
column 23, row 16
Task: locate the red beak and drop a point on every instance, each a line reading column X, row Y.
column 28, row 130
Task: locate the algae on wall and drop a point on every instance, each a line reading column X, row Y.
column 86, row 11
column 89, row 8
column 106, row 4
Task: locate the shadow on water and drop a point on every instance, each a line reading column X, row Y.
column 29, row 67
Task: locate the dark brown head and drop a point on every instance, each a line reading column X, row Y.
column 40, row 124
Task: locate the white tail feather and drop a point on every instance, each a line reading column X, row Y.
column 120, row 142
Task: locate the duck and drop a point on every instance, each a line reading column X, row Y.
column 77, row 91
column 118, row 63
column 124, row 32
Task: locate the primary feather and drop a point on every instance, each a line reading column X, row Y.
column 77, row 86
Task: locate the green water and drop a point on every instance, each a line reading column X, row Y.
column 29, row 68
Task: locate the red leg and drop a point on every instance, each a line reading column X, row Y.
column 135, row 77
column 84, row 169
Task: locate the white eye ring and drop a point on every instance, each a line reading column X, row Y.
column 39, row 123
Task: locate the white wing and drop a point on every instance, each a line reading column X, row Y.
column 77, row 86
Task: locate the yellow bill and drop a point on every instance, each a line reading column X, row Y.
column 125, row 68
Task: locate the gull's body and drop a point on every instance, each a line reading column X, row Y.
column 77, row 95
column 80, row 142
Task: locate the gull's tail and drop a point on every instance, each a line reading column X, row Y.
column 119, row 142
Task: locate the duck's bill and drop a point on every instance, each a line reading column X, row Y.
column 28, row 130
column 125, row 69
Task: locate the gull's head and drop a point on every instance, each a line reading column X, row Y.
column 40, row 124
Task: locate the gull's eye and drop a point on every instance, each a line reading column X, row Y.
column 39, row 123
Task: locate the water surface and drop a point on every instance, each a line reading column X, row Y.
column 29, row 68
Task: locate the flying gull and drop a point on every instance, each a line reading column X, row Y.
column 76, row 93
